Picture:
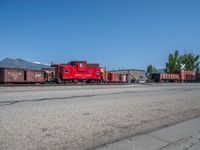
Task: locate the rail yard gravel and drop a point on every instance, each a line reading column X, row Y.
column 87, row 117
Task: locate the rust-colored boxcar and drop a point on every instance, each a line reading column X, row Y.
column 164, row 77
column 34, row 76
column 12, row 75
column 114, row 77
column 16, row 75
column 187, row 76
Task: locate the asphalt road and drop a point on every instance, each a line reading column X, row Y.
column 87, row 117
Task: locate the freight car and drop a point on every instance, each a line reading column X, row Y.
column 117, row 78
column 164, row 77
column 113, row 77
column 77, row 71
column 178, row 76
column 187, row 76
column 15, row 75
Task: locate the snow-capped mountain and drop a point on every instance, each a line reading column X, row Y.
column 20, row 63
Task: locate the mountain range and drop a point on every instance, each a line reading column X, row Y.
column 20, row 63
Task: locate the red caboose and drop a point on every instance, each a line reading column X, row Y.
column 77, row 71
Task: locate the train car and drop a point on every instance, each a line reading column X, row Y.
column 191, row 76
column 77, row 71
column 12, row 75
column 165, row 77
column 187, row 76
column 114, row 77
column 34, row 76
column 16, row 75
column 178, row 76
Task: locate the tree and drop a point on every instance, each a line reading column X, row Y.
column 174, row 62
column 151, row 69
column 191, row 61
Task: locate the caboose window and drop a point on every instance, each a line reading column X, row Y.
column 66, row 71
column 81, row 65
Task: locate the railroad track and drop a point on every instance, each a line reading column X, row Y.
column 71, row 84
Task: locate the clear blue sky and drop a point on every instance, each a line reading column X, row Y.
column 115, row 33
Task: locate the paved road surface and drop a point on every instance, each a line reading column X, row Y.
column 87, row 117
column 182, row 136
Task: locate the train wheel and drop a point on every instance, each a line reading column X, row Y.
column 66, row 82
